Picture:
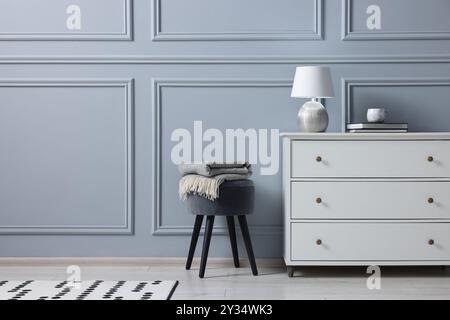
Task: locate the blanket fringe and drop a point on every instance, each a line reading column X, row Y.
column 200, row 185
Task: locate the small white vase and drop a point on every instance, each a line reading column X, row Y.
column 376, row 115
column 313, row 117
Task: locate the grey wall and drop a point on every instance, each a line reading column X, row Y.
column 86, row 115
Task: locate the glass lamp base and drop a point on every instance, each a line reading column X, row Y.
column 313, row 117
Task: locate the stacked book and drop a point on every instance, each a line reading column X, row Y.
column 377, row 127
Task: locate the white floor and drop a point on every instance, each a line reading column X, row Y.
column 222, row 281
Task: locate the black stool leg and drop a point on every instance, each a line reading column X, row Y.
column 232, row 233
column 248, row 243
column 195, row 234
column 206, row 242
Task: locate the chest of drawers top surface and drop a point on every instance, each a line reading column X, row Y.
column 366, row 136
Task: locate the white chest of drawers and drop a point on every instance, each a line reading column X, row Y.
column 366, row 199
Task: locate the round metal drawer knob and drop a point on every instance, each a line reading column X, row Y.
column 318, row 242
column 430, row 200
column 318, row 158
column 430, row 159
column 319, row 200
column 431, row 242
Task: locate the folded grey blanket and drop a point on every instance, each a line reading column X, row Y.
column 205, row 179
column 213, row 168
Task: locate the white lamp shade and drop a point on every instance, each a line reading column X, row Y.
column 312, row 82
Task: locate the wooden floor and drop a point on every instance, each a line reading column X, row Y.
column 223, row 281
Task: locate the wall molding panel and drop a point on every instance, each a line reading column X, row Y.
column 212, row 59
column 125, row 35
column 128, row 215
column 157, row 85
column 160, row 35
column 349, row 83
column 348, row 34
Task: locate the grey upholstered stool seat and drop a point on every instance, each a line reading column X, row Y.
column 236, row 198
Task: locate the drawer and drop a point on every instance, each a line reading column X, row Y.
column 370, row 159
column 370, row 200
column 370, row 241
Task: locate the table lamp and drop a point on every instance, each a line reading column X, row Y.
column 312, row 82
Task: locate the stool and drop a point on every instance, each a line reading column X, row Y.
column 236, row 198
